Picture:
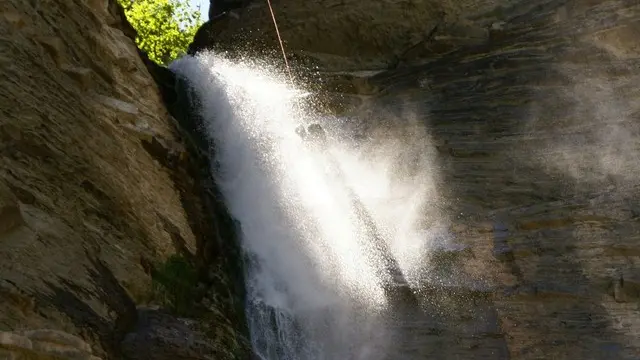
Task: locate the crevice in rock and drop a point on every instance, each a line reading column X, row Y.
column 218, row 255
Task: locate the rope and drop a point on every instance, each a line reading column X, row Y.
column 284, row 55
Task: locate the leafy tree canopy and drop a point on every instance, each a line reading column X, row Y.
column 165, row 27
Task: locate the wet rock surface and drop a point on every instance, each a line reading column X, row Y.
column 533, row 109
column 352, row 35
column 537, row 134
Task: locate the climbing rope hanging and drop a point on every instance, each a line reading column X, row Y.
column 284, row 55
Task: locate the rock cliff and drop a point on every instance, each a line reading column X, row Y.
column 352, row 35
column 98, row 188
column 533, row 107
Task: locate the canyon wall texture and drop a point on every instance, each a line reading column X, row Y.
column 349, row 34
column 533, row 107
column 98, row 189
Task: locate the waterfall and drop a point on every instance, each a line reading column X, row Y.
column 332, row 232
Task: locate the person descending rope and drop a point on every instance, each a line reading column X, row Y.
column 314, row 133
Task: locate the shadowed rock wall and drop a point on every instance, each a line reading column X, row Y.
column 98, row 185
column 537, row 133
column 533, row 107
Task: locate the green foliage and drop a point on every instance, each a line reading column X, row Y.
column 165, row 27
column 175, row 284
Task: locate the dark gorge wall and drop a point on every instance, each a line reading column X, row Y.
column 533, row 108
column 111, row 230
column 537, row 133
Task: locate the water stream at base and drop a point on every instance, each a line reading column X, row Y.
column 320, row 224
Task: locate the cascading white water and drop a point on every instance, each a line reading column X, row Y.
column 316, row 278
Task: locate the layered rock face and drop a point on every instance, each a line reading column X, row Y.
column 97, row 186
column 349, row 34
column 533, row 107
column 537, row 131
